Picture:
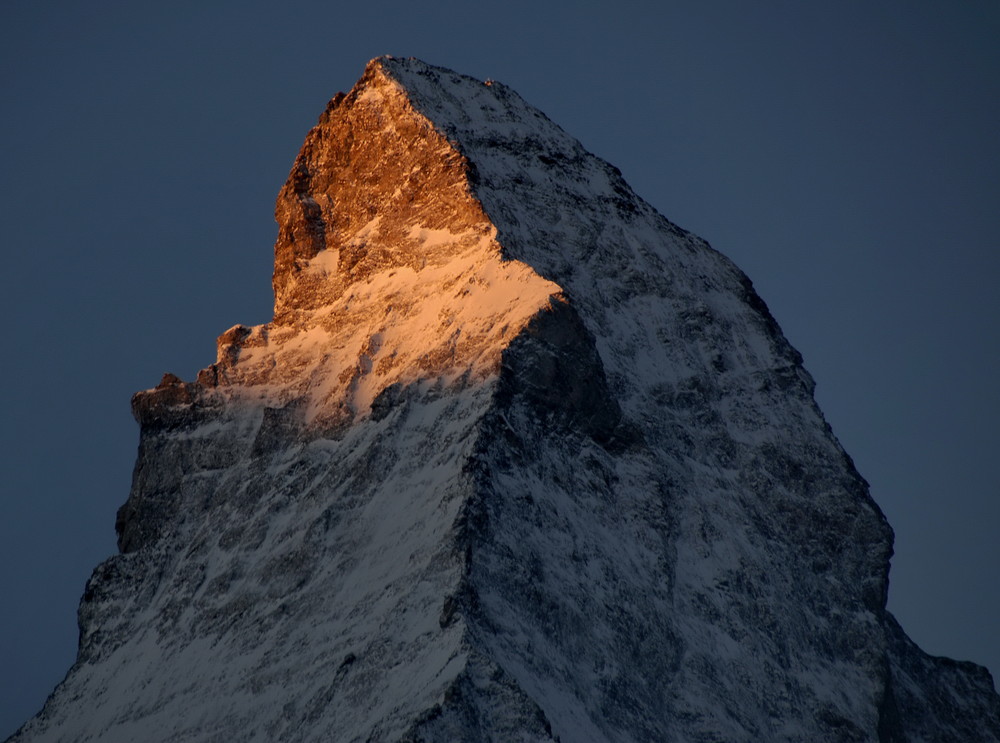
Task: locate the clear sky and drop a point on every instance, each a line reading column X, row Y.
column 846, row 155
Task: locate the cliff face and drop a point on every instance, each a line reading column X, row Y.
column 517, row 459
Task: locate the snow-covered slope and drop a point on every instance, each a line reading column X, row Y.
column 517, row 459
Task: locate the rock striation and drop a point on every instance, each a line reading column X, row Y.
column 516, row 459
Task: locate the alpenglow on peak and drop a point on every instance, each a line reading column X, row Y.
column 517, row 458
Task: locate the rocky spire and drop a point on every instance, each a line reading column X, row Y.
column 516, row 459
column 370, row 171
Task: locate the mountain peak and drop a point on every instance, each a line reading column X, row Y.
column 370, row 171
column 387, row 269
column 516, row 459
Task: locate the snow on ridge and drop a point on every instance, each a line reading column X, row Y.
column 680, row 332
column 400, row 326
column 401, row 517
column 571, row 216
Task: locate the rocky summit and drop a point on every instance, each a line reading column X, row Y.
column 517, row 459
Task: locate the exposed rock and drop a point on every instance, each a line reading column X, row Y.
column 516, row 459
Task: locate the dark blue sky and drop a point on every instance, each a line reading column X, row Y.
column 846, row 155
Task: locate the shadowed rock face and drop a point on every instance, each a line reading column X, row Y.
column 516, row 459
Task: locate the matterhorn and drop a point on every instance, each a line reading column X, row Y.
column 517, row 459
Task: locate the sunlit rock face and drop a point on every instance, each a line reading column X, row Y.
column 517, row 459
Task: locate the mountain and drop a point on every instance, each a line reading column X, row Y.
column 516, row 459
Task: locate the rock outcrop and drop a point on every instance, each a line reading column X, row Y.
column 516, row 459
